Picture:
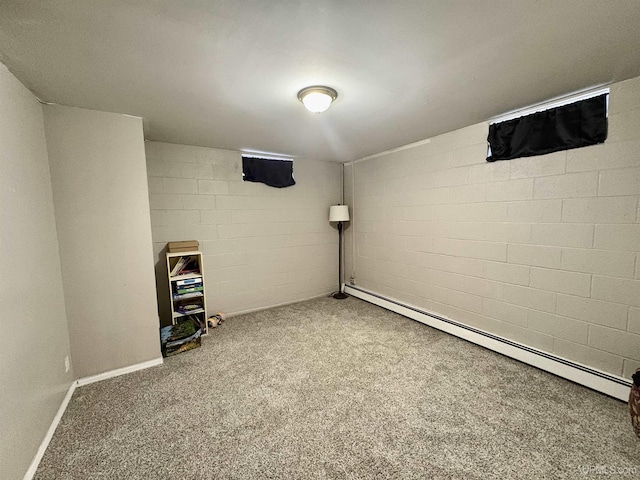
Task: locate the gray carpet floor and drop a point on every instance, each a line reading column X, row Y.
column 339, row 389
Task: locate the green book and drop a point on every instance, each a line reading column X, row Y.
column 182, row 291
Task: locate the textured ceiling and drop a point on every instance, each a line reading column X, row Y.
column 225, row 73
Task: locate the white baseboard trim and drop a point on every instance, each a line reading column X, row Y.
column 268, row 307
column 612, row 385
column 31, row 471
column 119, row 371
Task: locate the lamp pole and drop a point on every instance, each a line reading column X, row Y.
column 339, row 214
column 340, row 295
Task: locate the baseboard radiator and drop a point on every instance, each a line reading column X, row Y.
column 612, row 385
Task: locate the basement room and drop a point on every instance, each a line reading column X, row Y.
column 324, row 239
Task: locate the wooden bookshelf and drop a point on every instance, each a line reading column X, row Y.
column 186, row 288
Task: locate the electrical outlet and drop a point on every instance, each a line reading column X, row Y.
column 66, row 363
column 352, row 281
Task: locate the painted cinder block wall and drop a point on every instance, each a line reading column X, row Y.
column 262, row 246
column 540, row 250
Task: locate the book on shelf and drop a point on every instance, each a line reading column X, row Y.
column 190, row 307
column 178, row 315
column 178, row 266
column 187, row 295
column 189, row 289
column 185, row 265
column 189, row 281
column 189, row 271
column 190, row 266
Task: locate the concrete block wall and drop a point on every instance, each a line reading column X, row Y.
column 262, row 246
column 542, row 250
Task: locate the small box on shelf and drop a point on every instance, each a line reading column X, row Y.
column 183, row 246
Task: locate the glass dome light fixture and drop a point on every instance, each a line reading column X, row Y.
column 317, row 99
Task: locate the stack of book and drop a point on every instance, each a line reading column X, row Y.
column 187, row 286
column 185, row 265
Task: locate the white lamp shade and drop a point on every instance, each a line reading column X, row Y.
column 339, row 213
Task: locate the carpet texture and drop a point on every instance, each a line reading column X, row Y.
column 339, row 389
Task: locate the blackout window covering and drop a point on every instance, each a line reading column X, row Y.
column 275, row 173
column 569, row 126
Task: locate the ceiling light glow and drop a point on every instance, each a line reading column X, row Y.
column 317, row 99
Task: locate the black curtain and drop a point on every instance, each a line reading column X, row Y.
column 275, row 173
column 570, row 126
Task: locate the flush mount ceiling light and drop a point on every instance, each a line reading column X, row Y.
column 318, row 98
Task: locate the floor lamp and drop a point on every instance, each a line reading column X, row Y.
column 339, row 213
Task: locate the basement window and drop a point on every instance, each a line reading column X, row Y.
column 552, row 127
column 275, row 172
